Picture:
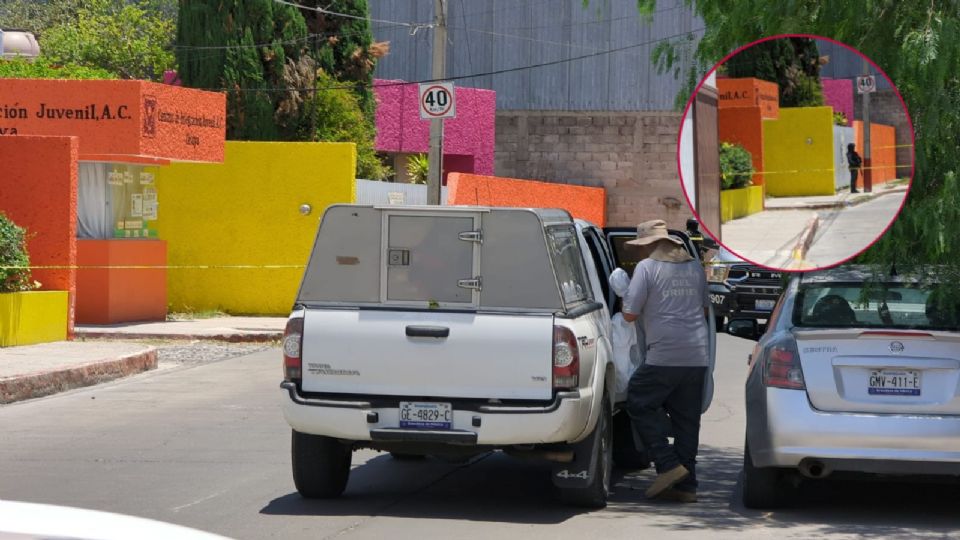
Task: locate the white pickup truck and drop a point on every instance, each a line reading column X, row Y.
column 455, row 331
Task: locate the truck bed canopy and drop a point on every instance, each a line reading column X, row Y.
column 429, row 257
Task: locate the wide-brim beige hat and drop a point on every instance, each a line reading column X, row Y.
column 652, row 231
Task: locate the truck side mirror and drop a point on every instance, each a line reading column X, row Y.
column 744, row 328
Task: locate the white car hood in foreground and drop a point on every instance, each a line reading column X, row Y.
column 22, row 521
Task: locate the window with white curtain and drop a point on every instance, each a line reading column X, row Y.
column 115, row 200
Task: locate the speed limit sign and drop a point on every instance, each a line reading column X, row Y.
column 437, row 100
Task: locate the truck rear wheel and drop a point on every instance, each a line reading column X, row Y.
column 321, row 465
column 595, row 494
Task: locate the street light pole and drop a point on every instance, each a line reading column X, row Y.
column 435, row 158
column 867, row 168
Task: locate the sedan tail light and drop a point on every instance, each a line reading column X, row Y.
column 566, row 359
column 292, row 347
column 781, row 365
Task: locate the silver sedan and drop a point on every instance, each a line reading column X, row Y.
column 854, row 373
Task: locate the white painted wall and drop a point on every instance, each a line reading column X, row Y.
column 842, row 136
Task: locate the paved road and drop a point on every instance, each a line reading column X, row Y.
column 844, row 233
column 205, row 445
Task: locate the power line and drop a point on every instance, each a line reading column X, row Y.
column 413, row 26
column 469, row 76
column 601, row 21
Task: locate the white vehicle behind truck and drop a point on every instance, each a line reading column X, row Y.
column 455, row 331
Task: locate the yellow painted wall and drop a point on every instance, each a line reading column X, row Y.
column 737, row 203
column 245, row 212
column 798, row 152
column 33, row 317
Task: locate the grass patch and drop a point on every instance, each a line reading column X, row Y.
column 190, row 315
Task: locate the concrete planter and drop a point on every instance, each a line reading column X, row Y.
column 33, row 317
column 736, row 203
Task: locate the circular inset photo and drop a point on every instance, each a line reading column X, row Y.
column 796, row 153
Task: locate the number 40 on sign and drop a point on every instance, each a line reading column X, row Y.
column 437, row 100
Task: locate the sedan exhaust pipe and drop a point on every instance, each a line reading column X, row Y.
column 814, row 468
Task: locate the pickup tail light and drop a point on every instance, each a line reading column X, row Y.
column 566, row 359
column 292, row 347
column 781, row 366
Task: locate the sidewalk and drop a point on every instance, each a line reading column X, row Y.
column 839, row 200
column 774, row 239
column 34, row 371
column 231, row 329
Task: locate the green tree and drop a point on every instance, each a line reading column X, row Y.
column 418, row 168
column 14, row 260
column 343, row 46
column 736, row 166
column 792, row 63
column 43, row 68
column 131, row 39
column 341, row 119
column 244, row 48
column 918, row 45
column 290, row 73
column 37, row 16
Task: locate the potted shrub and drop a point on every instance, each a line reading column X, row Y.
column 26, row 315
column 738, row 196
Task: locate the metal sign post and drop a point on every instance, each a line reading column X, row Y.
column 435, row 172
column 866, row 85
column 437, row 102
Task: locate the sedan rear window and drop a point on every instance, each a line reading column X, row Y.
column 893, row 305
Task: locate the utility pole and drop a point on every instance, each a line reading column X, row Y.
column 867, row 167
column 435, row 157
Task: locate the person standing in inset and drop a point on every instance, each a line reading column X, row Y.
column 854, row 161
column 668, row 293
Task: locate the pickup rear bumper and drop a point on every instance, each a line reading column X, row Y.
column 563, row 420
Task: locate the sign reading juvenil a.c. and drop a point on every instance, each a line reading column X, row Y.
column 118, row 118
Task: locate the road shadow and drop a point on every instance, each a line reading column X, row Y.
column 490, row 488
column 850, row 506
column 499, row 488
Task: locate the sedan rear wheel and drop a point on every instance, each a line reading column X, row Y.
column 763, row 488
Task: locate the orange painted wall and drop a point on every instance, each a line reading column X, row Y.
column 38, row 191
column 118, row 118
column 749, row 92
column 743, row 125
column 114, row 295
column 883, row 154
column 588, row 203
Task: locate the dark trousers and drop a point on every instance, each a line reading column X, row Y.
column 853, row 179
column 678, row 391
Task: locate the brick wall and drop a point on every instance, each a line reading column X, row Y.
column 633, row 155
column 885, row 108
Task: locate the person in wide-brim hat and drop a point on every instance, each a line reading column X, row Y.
column 656, row 242
column 668, row 295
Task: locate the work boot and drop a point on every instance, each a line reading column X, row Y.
column 667, row 480
column 676, row 495
column 854, row 191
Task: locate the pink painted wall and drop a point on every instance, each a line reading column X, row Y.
column 838, row 93
column 471, row 133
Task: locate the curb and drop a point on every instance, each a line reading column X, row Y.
column 34, row 385
column 230, row 338
column 806, row 238
column 828, row 206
